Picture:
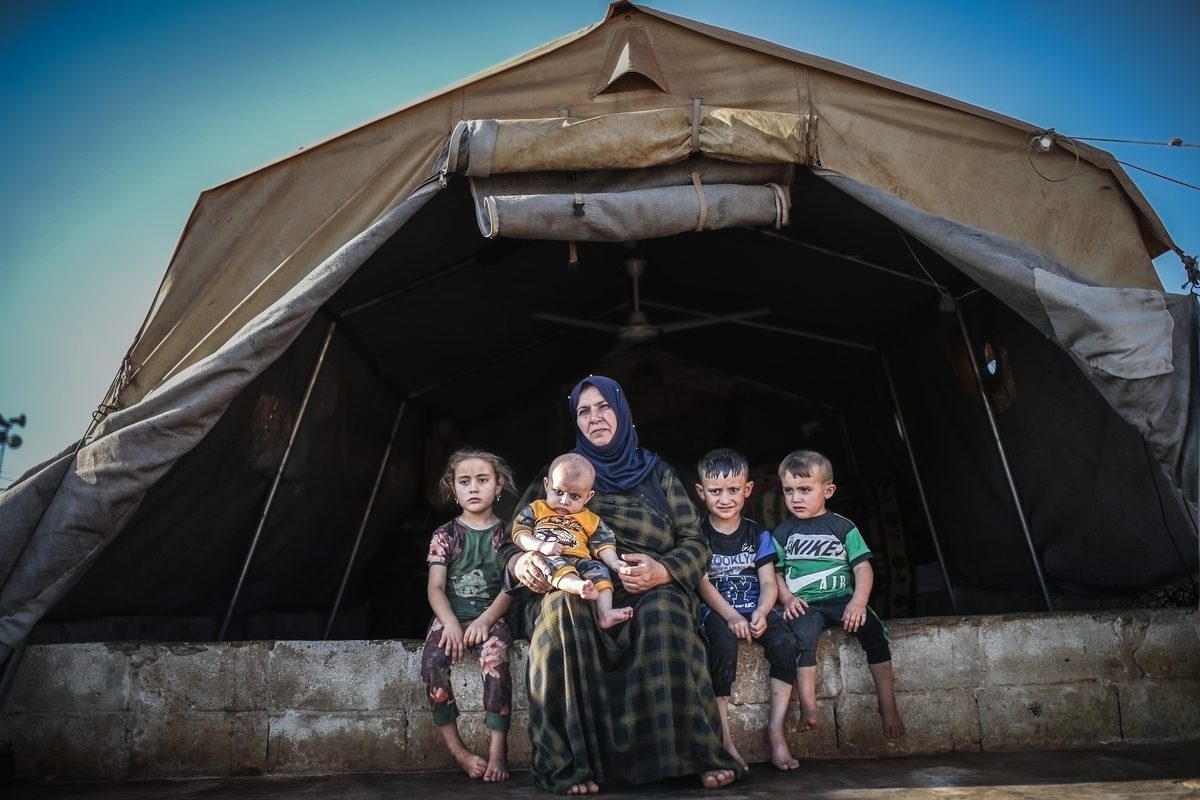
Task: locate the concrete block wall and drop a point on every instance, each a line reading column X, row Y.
column 111, row 711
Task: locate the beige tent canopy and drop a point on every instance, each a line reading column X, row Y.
column 823, row 255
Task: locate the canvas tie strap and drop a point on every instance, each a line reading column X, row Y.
column 702, row 199
column 781, row 205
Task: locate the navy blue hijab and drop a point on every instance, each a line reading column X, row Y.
column 622, row 464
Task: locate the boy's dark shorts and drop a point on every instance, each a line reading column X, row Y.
column 822, row 614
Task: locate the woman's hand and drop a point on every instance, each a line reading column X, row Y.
column 532, row 571
column 642, row 573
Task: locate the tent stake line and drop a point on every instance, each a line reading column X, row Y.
column 283, row 462
column 387, row 454
column 912, row 460
column 1012, row 484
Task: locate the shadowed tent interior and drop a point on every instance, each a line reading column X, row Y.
column 437, row 328
column 333, row 325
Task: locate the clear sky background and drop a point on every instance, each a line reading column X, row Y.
column 116, row 114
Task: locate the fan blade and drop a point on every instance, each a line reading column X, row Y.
column 577, row 322
column 686, row 324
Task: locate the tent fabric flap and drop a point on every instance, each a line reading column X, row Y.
column 630, row 140
column 63, row 530
column 610, row 206
column 1125, row 332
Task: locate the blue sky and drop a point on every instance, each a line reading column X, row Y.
column 117, row 114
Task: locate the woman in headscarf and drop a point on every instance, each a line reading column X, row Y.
column 633, row 704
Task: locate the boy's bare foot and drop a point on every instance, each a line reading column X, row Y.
column 589, row 787
column 893, row 726
column 733, row 751
column 587, row 590
column 614, row 617
column 781, row 756
column 717, row 778
column 808, row 720
column 471, row 764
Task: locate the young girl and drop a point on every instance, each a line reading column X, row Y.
column 468, row 607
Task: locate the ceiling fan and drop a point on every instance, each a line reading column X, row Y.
column 638, row 328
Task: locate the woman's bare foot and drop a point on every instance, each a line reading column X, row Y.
column 614, row 617
column 471, row 764
column 589, row 787
column 781, row 756
column 717, row 778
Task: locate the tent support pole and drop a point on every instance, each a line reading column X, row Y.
column 1012, row 484
column 362, row 527
column 912, row 461
column 283, row 462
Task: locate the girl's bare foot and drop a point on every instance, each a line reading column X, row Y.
column 587, row 590
column 781, row 756
column 497, row 765
column 589, row 787
column 471, row 764
column 717, row 778
column 614, row 617
column 496, row 771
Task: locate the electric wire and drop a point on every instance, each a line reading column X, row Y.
column 1159, row 175
column 1035, row 145
column 1176, row 142
column 1032, row 147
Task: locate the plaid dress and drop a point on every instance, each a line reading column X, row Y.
column 633, row 704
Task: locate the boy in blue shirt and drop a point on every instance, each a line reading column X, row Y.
column 825, row 579
column 738, row 597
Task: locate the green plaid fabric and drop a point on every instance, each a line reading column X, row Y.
column 634, row 704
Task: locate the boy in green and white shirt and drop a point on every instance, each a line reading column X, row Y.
column 824, row 576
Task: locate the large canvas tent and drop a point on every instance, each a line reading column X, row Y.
column 960, row 308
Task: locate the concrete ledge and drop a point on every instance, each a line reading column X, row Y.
column 119, row 711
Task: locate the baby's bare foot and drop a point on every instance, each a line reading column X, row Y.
column 588, row 591
column 614, row 617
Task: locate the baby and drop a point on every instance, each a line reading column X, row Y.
column 580, row 548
